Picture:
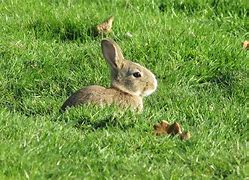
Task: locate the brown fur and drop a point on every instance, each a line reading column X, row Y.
column 103, row 96
column 126, row 89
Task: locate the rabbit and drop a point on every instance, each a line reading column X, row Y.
column 130, row 82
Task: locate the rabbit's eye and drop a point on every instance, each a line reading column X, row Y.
column 137, row 74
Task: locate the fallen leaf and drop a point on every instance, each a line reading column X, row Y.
column 185, row 136
column 245, row 44
column 174, row 129
column 106, row 26
column 161, row 128
column 164, row 128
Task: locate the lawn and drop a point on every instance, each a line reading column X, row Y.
column 193, row 47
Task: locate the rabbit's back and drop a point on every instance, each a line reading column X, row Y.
column 101, row 96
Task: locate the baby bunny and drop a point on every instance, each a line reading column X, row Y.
column 130, row 82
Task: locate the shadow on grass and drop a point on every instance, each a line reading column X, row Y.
column 224, row 80
column 226, row 83
column 102, row 123
column 64, row 30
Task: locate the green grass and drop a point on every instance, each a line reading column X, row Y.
column 193, row 47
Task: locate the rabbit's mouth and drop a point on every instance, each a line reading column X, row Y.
column 148, row 92
column 150, row 88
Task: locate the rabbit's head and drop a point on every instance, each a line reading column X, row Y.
column 127, row 76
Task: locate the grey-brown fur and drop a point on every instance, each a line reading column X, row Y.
column 129, row 83
column 103, row 96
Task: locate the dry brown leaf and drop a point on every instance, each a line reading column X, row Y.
column 185, row 136
column 106, row 26
column 245, row 44
column 161, row 128
column 164, row 128
column 174, row 129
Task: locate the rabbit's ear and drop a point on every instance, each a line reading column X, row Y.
column 112, row 53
